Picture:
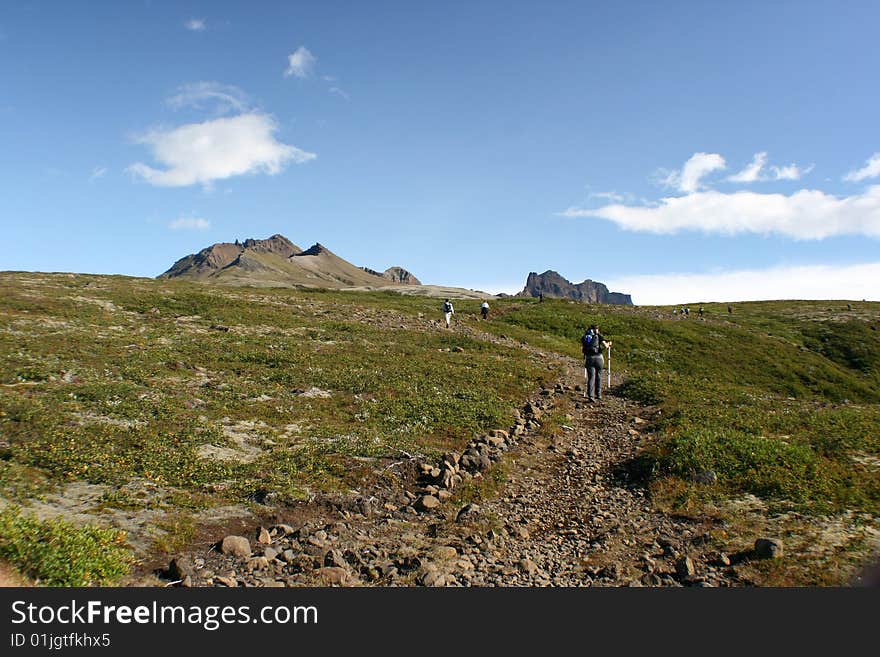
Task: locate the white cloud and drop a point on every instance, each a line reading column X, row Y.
column 196, row 25
column 853, row 282
column 753, row 171
column 806, row 214
column 189, row 223
column 790, row 172
column 870, row 170
column 300, row 63
column 200, row 153
column 689, row 179
column 199, row 95
column 609, row 196
column 98, row 172
column 336, row 91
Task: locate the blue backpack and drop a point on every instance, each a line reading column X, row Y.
column 591, row 343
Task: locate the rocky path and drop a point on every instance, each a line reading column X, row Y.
column 547, row 503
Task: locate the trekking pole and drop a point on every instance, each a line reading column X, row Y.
column 585, row 380
column 609, row 367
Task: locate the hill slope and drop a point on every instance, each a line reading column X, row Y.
column 278, row 262
column 164, row 407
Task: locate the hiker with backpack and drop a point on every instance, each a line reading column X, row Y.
column 484, row 310
column 592, row 344
column 448, row 311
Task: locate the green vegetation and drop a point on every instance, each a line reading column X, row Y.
column 57, row 553
column 228, row 395
column 220, row 395
column 780, row 399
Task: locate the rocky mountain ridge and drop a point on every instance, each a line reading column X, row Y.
column 276, row 261
column 552, row 284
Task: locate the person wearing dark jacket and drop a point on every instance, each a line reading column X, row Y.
column 593, row 343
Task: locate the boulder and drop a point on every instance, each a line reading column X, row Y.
column 236, row 546
column 769, row 548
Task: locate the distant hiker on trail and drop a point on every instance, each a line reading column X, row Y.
column 541, row 298
column 448, row 311
column 729, row 310
column 675, row 311
column 592, row 344
column 701, row 311
column 484, row 310
column 687, row 311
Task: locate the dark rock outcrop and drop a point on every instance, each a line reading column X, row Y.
column 551, row 284
column 397, row 275
column 223, row 254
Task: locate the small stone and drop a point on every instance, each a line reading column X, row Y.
column 270, row 553
column 685, row 567
column 334, row 576
column 180, row 568
column 237, row 546
column 723, row 560
column 528, row 566
column 706, row 477
column 288, row 556
column 283, row 529
column 427, row 502
column 769, row 548
column 257, row 563
column 467, row 512
column 231, row 582
column 442, row 552
column 263, row 536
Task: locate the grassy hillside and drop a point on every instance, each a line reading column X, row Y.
column 173, row 396
column 780, row 399
column 168, row 402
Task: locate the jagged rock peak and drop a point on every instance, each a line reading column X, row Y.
column 397, row 275
column 316, row 249
column 276, row 244
column 551, row 284
column 401, row 276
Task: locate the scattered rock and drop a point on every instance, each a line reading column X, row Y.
column 236, row 546
column 685, row 567
column 769, row 548
column 181, row 567
column 334, row 576
column 706, row 477
column 427, row 503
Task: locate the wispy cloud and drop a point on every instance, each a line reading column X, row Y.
column 689, row 178
column 870, row 170
column 753, row 171
column 853, row 282
column 300, row 63
column 200, row 153
column 756, row 172
column 189, row 223
column 336, row 91
column 221, row 98
column 98, row 172
column 196, row 25
column 609, row 196
column 806, row 214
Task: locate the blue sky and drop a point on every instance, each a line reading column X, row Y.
column 679, row 151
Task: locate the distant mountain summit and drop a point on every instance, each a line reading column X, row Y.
column 278, row 262
column 551, row 284
column 397, row 275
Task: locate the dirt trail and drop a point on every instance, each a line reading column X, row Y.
column 562, row 513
